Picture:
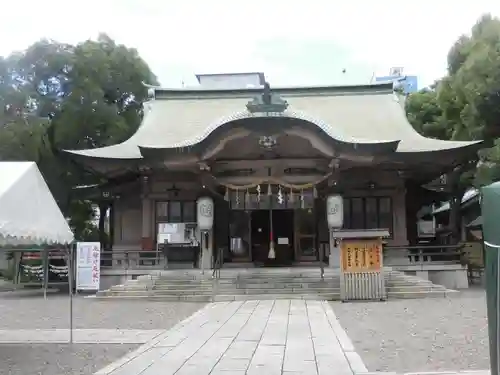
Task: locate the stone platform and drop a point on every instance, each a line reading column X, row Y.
column 252, row 337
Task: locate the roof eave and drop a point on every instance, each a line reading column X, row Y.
column 342, row 89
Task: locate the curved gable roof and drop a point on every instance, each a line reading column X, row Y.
column 369, row 114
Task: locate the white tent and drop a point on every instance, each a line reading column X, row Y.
column 29, row 214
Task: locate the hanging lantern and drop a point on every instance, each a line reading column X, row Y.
column 280, row 195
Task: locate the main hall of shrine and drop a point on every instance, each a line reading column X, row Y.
column 268, row 157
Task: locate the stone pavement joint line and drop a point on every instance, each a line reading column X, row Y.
column 80, row 336
column 252, row 337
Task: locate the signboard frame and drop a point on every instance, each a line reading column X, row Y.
column 362, row 282
column 88, row 266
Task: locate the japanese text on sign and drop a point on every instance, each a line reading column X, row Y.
column 88, row 265
column 361, row 256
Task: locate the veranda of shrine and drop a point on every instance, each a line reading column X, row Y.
column 268, row 157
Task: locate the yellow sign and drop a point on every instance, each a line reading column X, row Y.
column 361, row 255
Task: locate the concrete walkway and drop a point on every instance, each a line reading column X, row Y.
column 253, row 337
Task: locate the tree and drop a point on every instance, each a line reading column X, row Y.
column 426, row 116
column 59, row 96
column 465, row 105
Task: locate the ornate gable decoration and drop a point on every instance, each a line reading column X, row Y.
column 267, row 102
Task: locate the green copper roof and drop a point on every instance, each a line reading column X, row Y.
column 366, row 114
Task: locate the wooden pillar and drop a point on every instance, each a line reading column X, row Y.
column 412, row 206
column 147, row 241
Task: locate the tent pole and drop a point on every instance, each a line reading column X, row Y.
column 70, row 286
column 45, row 272
column 17, row 266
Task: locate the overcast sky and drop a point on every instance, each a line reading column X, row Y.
column 293, row 42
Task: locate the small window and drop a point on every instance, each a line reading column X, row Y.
column 175, row 212
column 347, row 214
column 385, row 213
column 161, row 211
column 357, row 213
column 189, row 212
column 372, row 216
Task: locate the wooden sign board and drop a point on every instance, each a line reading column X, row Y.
column 361, row 255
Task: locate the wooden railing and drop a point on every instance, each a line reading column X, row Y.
column 141, row 259
column 428, row 254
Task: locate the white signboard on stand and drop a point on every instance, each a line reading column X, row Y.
column 88, row 265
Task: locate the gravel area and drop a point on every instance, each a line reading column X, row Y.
column 48, row 359
column 419, row 335
column 28, row 311
column 31, row 312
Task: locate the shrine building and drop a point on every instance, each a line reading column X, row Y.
column 269, row 157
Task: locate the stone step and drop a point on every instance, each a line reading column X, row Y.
column 187, row 298
column 277, row 291
column 181, row 286
column 419, row 294
column 280, row 286
column 179, row 281
column 186, row 292
column 414, row 289
column 243, row 297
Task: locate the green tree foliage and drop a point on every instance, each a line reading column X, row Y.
column 465, row 105
column 56, row 96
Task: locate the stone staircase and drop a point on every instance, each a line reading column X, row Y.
column 400, row 285
column 262, row 284
column 278, row 283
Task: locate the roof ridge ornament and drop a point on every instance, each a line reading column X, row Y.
column 267, row 102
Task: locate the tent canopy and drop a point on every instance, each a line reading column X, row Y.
column 29, row 214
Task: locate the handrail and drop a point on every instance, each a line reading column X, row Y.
column 321, row 265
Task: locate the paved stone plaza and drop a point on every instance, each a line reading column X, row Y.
column 253, row 337
column 396, row 336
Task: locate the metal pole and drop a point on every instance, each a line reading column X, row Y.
column 70, row 285
column 204, row 244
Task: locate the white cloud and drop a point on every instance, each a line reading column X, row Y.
column 292, row 41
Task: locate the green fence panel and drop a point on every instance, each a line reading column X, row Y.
column 490, row 207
